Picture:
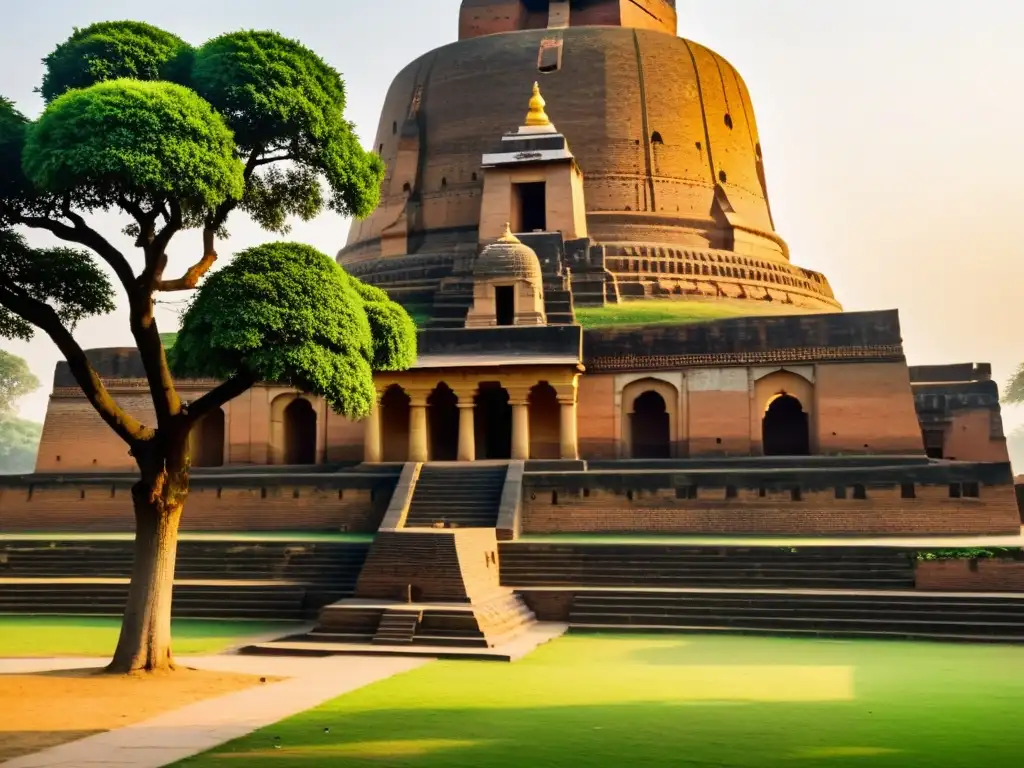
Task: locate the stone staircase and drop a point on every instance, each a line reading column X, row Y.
column 397, row 627
column 525, row 565
column 457, row 497
column 223, row 578
column 839, row 614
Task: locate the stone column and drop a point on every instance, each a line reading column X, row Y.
column 373, row 449
column 419, row 450
column 569, row 440
column 520, row 429
column 467, row 432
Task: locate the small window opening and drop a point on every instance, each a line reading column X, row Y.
column 971, row 491
column 840, row 491
column 722, row 177
column 860, row 492
column 908, row 491
column 728, row 121
column 394, row 128
column 554, row 498
column 796, row 494
column 656, row 138
column 505, row 304
column 955, row 491
column 731, row 492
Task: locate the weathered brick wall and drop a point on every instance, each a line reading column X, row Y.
column 884, row 512
column 866, row 408
column 970, row 575
column 970, row 437
column 596, row 416
column 89, row 507
column 75, row 438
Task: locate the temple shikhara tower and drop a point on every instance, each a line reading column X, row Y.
column 561, row 162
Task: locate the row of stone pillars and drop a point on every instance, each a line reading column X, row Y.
column 419, row 442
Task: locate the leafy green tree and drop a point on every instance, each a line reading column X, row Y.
column 177, row 138
column 1015, row 387
column 19, row 443
column 16, row 380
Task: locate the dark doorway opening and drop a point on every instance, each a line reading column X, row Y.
column 533, row 208
column 545, row 422
column 934, row 443
column 207, row 440
column 785, row 429
column 505, row 304
column 299, row 433
column 650, row 427
column 443, row 423
column 394, row 424
column 493, row 422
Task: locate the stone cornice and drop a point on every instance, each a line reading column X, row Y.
column 625, row 363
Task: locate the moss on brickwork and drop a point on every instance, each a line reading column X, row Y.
column 678, row 312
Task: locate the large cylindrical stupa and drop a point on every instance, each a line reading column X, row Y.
column 662, row 129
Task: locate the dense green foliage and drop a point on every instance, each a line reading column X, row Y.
column 13, row 124
column 392, row 329
column 19, row 443
column 16, row 380
column 147, row 142
column 111, row 50
column 678, row 312
column 1015, row 387
column 280, row 97
column 289, row 314
column 686, row 701
column 66, row 280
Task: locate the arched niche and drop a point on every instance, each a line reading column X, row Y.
column 394, row 423
column 785, row 429
column 206, row 441
column 545, row 422
column 443, row 423
column 650, row 418
column 493, row 421
column 768, row 391
column 299, row 432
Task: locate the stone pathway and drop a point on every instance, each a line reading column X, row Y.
column 204, row 725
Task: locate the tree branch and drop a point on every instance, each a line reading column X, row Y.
column 82, row 234
column 219, row 395
column 41, row 315
column 267, row 159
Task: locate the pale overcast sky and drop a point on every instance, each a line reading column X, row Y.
column 891, row 132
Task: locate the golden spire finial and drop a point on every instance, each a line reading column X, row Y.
column 537, row 116
column 508, row 237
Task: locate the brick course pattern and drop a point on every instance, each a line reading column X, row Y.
column 984, row 575
column 775, row 513
column 795, row 355
column 89, row 508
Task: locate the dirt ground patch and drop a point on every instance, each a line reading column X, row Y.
column 46, row 709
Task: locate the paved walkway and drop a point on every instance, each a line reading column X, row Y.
column 198, row 727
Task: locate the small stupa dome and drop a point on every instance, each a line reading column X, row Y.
column 508, row 257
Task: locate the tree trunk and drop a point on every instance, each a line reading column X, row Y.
column 145, row 641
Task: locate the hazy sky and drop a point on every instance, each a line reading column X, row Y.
column 891, row 132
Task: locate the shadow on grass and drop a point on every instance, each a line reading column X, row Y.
column 722, row 734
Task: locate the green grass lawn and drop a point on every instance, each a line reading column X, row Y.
column 715, row 702
column 35, row 636
column 677, row 311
